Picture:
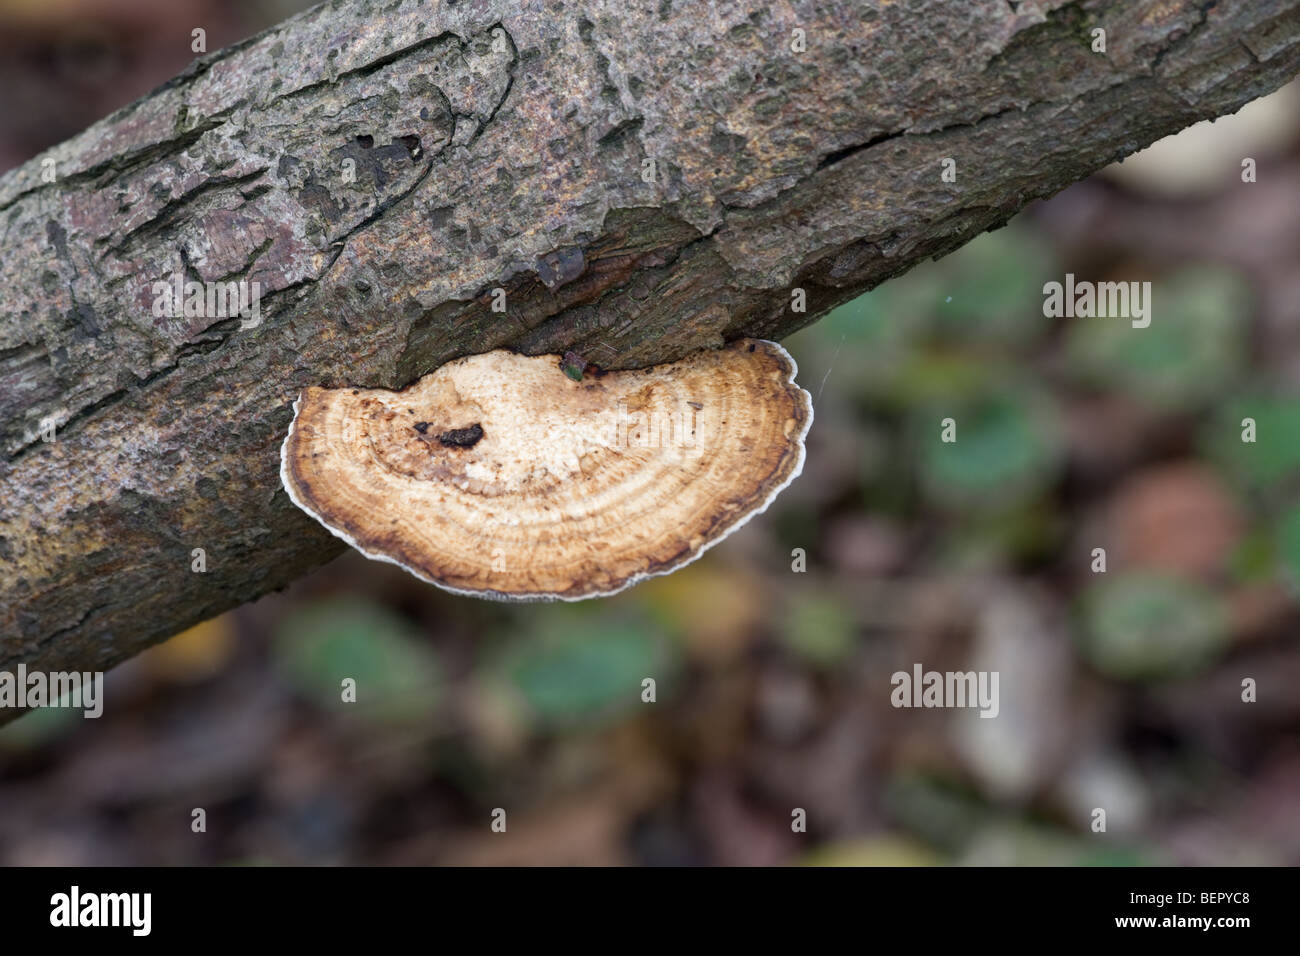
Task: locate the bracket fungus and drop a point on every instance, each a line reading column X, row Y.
column 500, row 476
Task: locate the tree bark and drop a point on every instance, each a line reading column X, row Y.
column 501, row 144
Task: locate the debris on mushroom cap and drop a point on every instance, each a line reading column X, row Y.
column 499, row 476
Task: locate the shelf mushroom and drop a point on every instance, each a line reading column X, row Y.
column 500, row 476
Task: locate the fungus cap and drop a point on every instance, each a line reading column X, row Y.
column 499, row 476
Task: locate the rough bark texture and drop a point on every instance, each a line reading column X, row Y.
column 500, row 143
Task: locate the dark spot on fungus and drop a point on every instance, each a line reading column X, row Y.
column 462, row 437
column 421, row 427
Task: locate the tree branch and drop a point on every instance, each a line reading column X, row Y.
column 501, row 144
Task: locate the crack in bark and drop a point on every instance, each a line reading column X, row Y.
column 1183, row 37
column 127, row 162
column 341, row 242
column 175, row 207
column 371, row 67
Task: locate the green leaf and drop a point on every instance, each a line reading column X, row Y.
column 1288, row 543
column 1193, row 348
column 930, row 376
column 888, row 317
column 39, row 726
column 396, row 670
column 1007, row 447
column 1117, row 856
column 1274, row 455
column 991, row 289
column 819, row 628
column 1254, row 559
column 1141, row 625
column 986, row 293
column 584, row 667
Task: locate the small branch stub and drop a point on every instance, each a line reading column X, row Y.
column 579, row 488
